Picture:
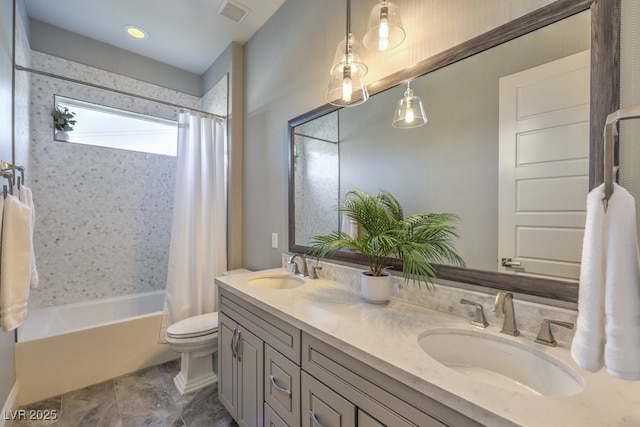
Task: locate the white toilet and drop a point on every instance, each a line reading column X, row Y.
column 197, row 339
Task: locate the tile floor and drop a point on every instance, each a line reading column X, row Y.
column 143, row 398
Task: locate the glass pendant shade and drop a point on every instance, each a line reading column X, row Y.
column 384, row 30
column 409, row 111
column 346, row 85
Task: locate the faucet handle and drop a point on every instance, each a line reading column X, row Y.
column 545, row 336
column 314, row 272
column 478, row 318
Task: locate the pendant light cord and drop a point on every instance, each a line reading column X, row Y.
column 346, row 40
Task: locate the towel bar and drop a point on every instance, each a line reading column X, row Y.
column 610, row 132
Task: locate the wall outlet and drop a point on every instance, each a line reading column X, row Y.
column 274, row 240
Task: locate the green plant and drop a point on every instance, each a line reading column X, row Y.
column 63, row 118
column 383, row 231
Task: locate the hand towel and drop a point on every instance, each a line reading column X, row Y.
column 622, row 294
column 15, row 263
column 587, row 348
column 26, row 197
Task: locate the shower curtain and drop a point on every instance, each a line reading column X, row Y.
column 198, row 251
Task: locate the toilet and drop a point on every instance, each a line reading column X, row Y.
column 197, row 339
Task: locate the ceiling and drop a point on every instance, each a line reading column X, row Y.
column 187, row 34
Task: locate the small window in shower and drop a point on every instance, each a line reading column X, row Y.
column 109, row 127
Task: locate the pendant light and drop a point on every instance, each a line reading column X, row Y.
column 409, row 111
column 384, row 30
column 346, row 85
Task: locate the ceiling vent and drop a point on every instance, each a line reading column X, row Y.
column 233, row 10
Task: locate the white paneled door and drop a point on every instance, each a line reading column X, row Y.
column 544, row 168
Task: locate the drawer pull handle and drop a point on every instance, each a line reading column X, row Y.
column 277, row 387
column 314, row 419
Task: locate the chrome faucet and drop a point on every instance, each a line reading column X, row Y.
column 294, row 266
column 479, row 318
column 545, row 336
column 504, row 305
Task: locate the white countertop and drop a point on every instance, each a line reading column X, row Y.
column 386, row 338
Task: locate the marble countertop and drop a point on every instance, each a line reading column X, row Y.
column 386, row 338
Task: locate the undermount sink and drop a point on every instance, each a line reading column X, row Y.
column 276, row 281
column 501, row 362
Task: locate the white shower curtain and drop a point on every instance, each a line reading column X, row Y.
column 198, row 250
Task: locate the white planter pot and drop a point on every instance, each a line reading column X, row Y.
column 62, row 136
column 376, row 289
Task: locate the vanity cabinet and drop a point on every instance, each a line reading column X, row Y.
column 272, row 373
column 258, row 364
column 241, row 369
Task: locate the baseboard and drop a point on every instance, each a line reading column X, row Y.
column 10, row 408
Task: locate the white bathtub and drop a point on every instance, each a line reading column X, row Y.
column 72, row 346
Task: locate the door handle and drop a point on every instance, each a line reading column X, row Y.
column 234, row 351
column 239, row 347
column 507, row 262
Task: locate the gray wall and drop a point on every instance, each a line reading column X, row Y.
column 7, row 358
column 304, row 34
column 630, row 95
column 286, row 75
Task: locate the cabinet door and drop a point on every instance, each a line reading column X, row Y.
column 322, row 407
column 366, row 420
column 282, row 385
column 227, row 366
column 250, row 375
column 271, row 419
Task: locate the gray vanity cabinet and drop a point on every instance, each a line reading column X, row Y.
column 258, row 365
column 241, row 368
column 271, row 373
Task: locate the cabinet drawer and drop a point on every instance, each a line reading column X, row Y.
column 386, row 399
column 366, row 420
column 282, row 385
column 279, row 334
column 322, row 406
column 271, row 419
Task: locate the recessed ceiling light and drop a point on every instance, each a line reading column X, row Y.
column 135, row 32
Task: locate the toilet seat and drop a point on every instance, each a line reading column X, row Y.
column 194, row 327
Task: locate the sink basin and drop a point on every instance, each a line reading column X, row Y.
column 501, row 362
column 276, row 281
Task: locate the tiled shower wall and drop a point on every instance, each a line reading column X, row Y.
column 103, row 216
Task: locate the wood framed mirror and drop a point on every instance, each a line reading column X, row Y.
column 604, row 97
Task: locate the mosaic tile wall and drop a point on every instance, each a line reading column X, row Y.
column 103, row 215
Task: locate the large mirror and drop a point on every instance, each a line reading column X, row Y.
column 456, row 162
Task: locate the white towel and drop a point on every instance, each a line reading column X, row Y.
column 608, row 325
column 587, row 348
column 26, row 197
column 622, row 294
column 15, row 263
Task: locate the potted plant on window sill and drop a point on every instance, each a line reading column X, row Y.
column 63, row 122
column 383, row 232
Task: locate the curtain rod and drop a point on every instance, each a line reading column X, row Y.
column 121, row 92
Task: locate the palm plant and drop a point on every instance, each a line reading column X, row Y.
column 383, row 231
column 63, row 118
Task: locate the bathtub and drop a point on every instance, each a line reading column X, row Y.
column 72, row 346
